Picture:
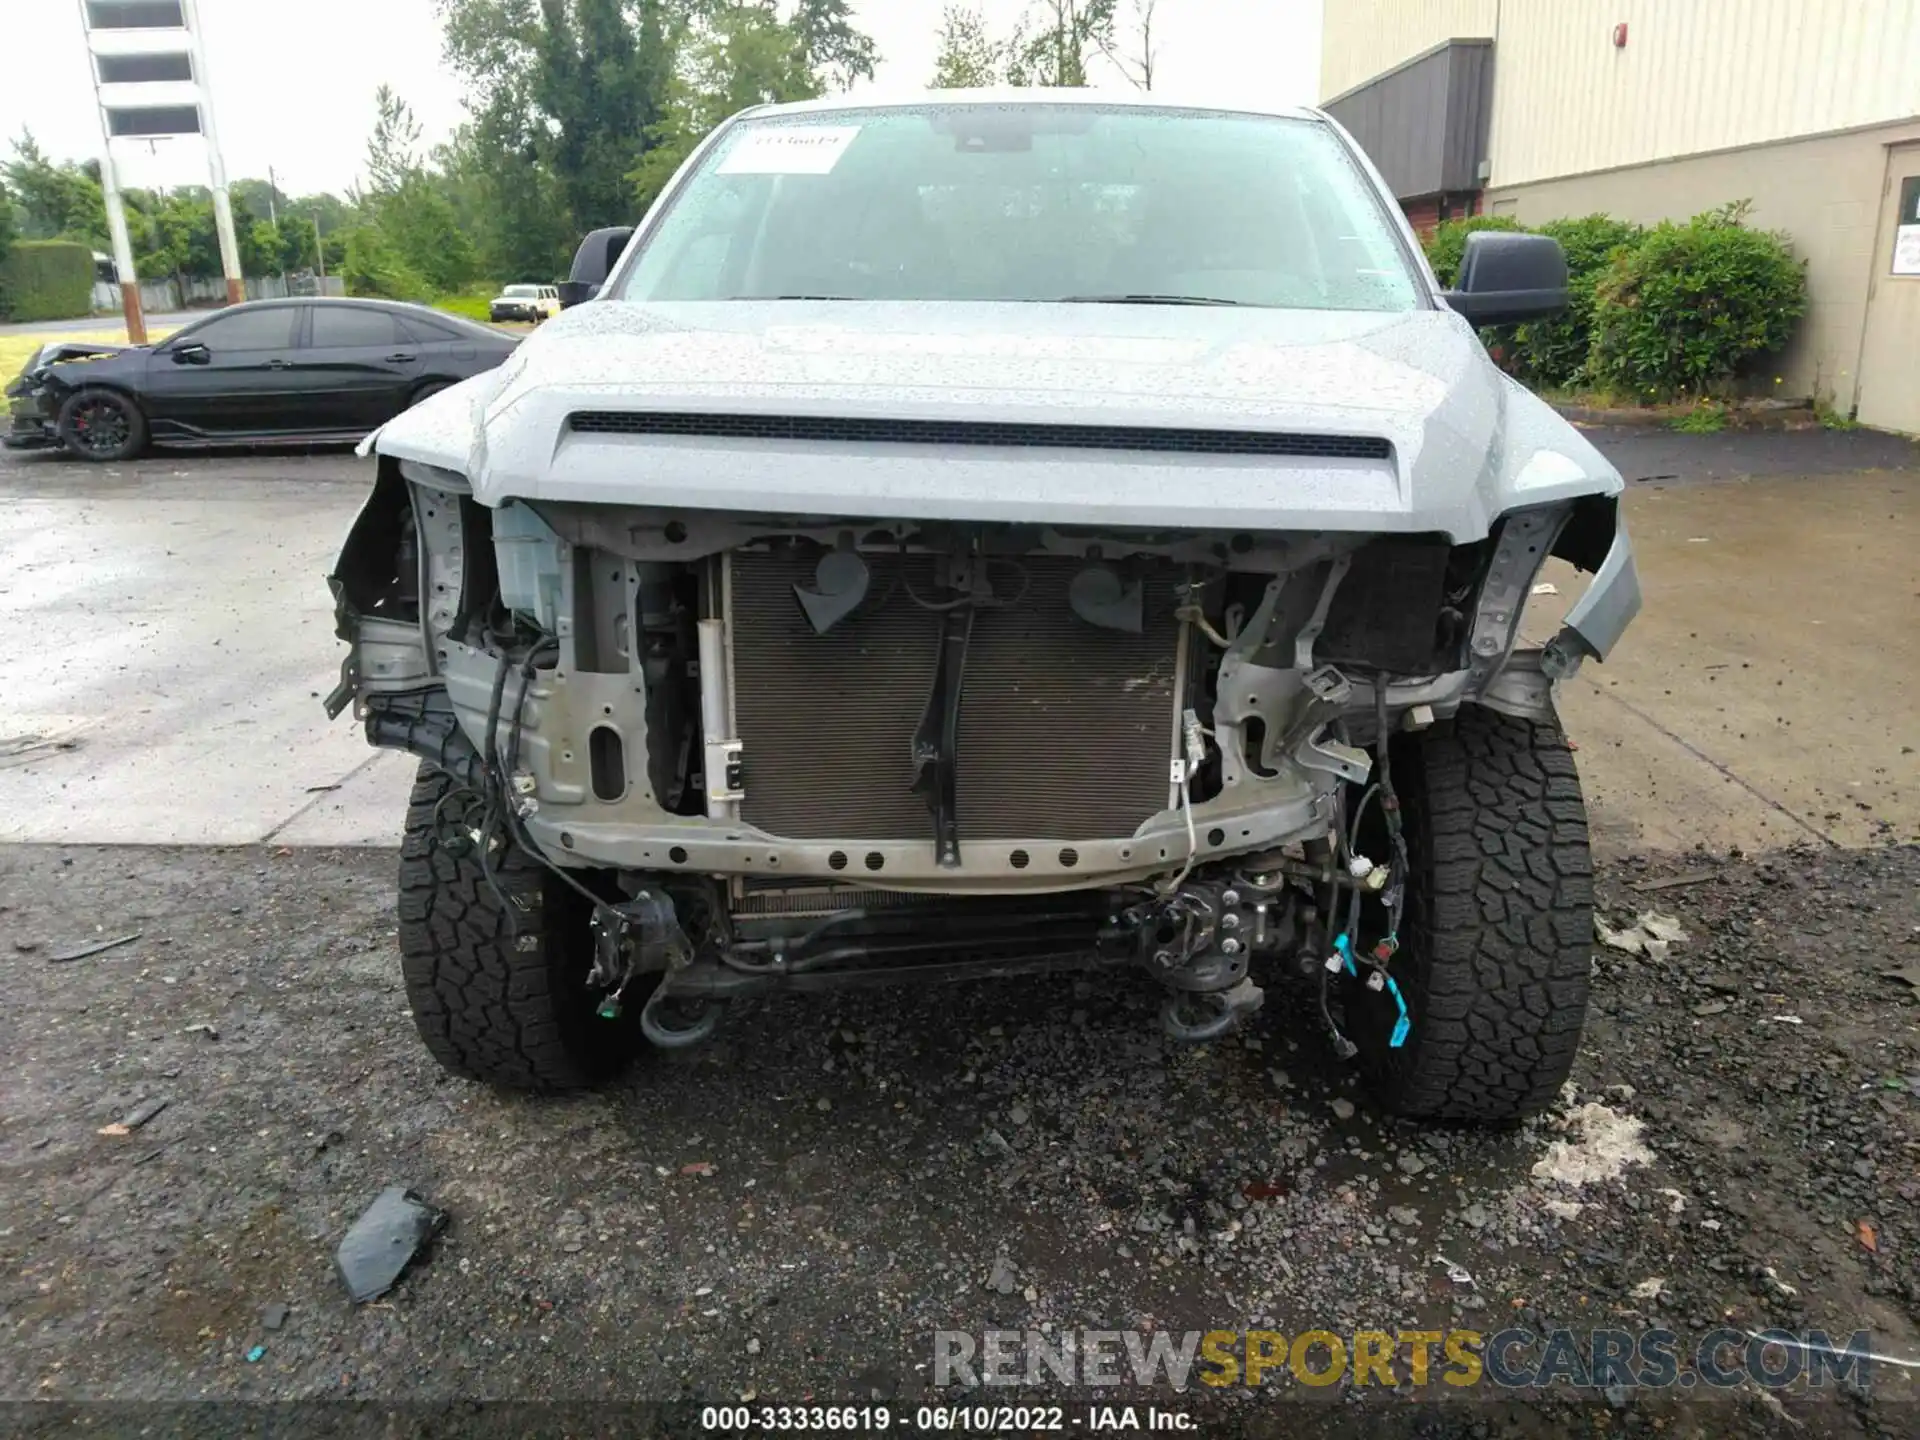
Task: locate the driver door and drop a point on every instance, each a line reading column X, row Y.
column 231, row 375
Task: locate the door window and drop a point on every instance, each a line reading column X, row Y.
column 420, row 328
column 347, row 327
column 266, row 329
column 1906, row 229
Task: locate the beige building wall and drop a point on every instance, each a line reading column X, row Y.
column 1694, row 75
column 1826, row 192
column 1361, row 38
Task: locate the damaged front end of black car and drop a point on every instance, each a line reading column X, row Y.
column 34, row 395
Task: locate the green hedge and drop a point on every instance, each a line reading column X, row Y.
column 1681, row 309
column 1692, row 306
column 46, row 280
column 1554, row 352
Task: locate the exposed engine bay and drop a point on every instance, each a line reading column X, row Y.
column 790, row 751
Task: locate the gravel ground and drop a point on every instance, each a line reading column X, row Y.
column 791, row 1213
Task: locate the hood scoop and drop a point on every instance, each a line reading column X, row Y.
column 841, row 430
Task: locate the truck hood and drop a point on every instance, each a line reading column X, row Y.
column 1466, row 442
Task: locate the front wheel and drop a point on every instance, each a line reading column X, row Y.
column 1497, row 936
column 499, row 993
column 102, row 426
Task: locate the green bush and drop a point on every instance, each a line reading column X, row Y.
column 1690, row 306
column 47, row 280
column 1448, row 242
column 1554, row 352
column 374, row 267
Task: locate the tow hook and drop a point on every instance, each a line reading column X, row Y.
column 1197, row 942
column 1196, row 1016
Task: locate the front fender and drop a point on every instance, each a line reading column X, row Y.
column 376, row 597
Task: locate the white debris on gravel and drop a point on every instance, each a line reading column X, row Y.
column 1649, row 1289
column 1651, row 934
column 1604, row 1143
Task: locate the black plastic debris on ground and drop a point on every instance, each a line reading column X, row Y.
column 384, row 1241
column 67, row 957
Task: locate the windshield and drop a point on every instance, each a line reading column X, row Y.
column 522, row 292
column 1028, row 202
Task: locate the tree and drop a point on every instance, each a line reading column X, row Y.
column 373, row 265
column 1053, row 49
column 257, row 198
column 263, row 249
column 832, row 50
column 581, row 107
column 1135, row 55
column 417, row 237
column 728, row 57
column 298, row 216
column 570, row 86
column 393, row 150
column 6, row 221
column 57, row 202
column 970, row 57
column 512, row 206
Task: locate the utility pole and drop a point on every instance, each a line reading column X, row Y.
column 273, row 219
column 320, row 253
column 116, row 212
column 216, row 165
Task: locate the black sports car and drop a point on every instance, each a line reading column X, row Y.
column 275, row 370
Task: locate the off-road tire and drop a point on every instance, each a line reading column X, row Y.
column 499, row 995
column 1497, row 938
column 72, row 420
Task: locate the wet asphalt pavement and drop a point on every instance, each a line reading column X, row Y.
column 790, row 1215
column 1656, row 453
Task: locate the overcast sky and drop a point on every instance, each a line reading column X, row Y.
column 296, row 92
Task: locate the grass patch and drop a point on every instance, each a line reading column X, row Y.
column 1706, row 418
column 469, row 304
column 1589, row 397
column 1832, row 419
column 15, row 350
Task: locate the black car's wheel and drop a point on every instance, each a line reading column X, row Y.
column 102, row 425
column 499, row 994
column 427, row 390
column 1497, row 936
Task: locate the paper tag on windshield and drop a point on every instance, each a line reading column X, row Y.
column 789, row 150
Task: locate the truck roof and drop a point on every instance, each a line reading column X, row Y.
column 888, row 98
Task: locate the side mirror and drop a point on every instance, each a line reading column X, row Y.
column 191, row 354
column 1506, row 278
column 593, row 262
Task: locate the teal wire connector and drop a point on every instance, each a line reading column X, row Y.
column 1402, row 1027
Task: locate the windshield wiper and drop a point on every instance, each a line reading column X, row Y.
column 790, row 297
column 1146, row 300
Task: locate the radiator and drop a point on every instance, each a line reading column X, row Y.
column 1065, row 728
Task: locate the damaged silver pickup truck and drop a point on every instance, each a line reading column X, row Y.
column 986, row 535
